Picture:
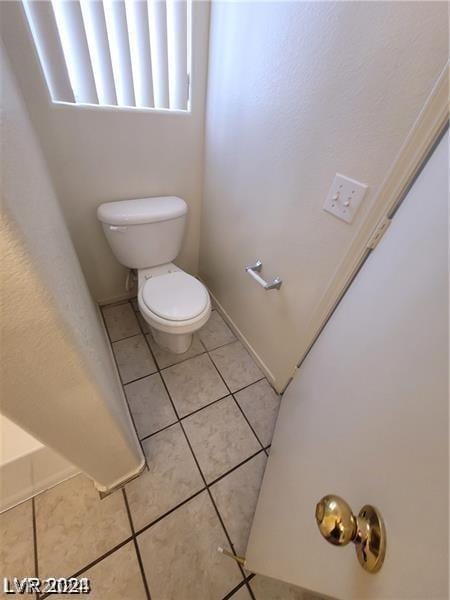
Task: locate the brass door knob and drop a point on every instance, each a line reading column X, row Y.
column 339, row 526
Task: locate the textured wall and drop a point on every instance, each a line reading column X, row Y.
column 97, row 155
column 298, row 91
column 58, row 379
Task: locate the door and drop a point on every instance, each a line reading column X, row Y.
column 366, row 418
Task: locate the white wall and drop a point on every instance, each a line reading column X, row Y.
column 95, row 155
column 27, row 467
column 298, row 91
column 57, row 377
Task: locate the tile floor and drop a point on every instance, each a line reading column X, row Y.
column 205, row 420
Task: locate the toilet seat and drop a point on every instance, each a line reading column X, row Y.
column 163, row 294
column 175, row 296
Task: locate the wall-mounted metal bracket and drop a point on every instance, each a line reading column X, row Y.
column 253, row 270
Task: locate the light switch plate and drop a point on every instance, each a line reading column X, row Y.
column 344, row 197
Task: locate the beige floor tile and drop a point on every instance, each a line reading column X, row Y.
column 265, row 588
column 133, row 358
column 120, row 321
column 74, row 527
column 236, row 365
column 149, row 404
column 16, row 543
column 241, row 594
column 143, row 323
column 216, row 332
column 180, row 555
column 221, row 438
column 116, row 577
column 193, row 384
column 172, row 477
column 164, row 358
column 236, row 495
column 260, row 404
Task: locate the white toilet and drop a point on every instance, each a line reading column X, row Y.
column 146, row 234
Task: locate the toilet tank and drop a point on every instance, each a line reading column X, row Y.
column 144, row 232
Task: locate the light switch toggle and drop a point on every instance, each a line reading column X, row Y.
column 344, row 197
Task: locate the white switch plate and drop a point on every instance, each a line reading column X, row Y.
column 344, row 197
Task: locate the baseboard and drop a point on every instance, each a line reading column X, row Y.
column 114, row 299
column 32, row 474
column 104, row 492
column 259, row 361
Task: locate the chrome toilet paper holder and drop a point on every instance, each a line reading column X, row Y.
column 253, row 270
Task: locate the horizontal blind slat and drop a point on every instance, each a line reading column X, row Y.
column 97, row 38
column 74, row 44
column 116, row 26
column 177, row 53
column 41, row 20
column 158, row 42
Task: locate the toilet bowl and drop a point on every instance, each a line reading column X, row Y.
column 174, row 304
column 146, row 234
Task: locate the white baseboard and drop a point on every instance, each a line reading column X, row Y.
column 31, row 474
column 118, row 298
column 259, row 361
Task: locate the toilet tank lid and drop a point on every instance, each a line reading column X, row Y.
column 141, row 210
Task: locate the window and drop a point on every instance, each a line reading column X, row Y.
column 121, row 53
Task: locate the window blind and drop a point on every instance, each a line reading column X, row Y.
column 124, row 53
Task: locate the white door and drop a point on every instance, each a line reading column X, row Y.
column 366, row 418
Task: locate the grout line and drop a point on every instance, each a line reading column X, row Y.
column 167, row 513
column 147, row 335
column 127, row 506
column 113, row 304
column 202, row 407
column 122, row 384
column 150, row 435
column 219, row 516
column 203, row 489
column 222, row 345
column 234, row 590
column 127, row 337
column 241, row 464
column 179, row 421
column 204, row 478
column 243, row 583
column 95, row 562
column 236, row 402
column 134, row 534
column 103, row 556
column 249, row 424
column 136, row 546
column 146, row 437
column 249, row 384
column 249, row 589
column 138, row 378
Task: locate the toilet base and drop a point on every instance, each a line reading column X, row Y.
column 178, row 343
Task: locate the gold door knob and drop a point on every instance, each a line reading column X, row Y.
column 339, row 526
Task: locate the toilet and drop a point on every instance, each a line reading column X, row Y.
column 146, row 234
